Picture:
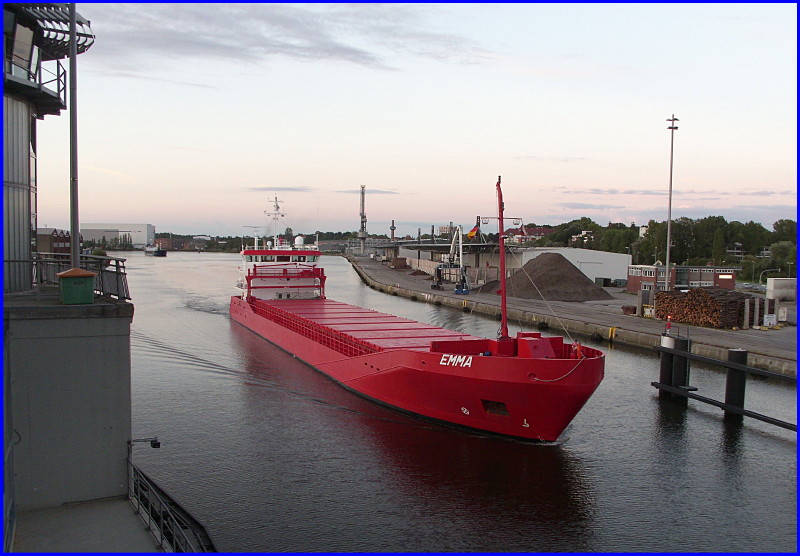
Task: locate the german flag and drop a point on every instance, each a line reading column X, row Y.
column 473, row 232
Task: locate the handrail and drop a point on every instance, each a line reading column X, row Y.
column 172, row 527
column 38, row 75
column 674, row 381
column 111, row 279
column 726, row 364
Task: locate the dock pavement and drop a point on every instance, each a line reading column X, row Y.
column 773, row 349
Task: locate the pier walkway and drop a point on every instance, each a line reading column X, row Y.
column 774, row 349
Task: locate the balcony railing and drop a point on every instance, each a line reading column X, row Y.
column 173, row 528
column 46, row 86
column 110, row 277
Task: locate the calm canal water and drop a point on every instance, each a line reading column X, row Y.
column 271, row 456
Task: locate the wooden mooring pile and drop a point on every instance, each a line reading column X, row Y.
column 713, row 307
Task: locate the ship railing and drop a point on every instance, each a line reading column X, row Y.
column 111, row 279
column 174, row 529
column 340, row 342
column 265, row 271
column 295, row 273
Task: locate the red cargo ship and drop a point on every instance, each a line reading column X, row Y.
column 528, row 387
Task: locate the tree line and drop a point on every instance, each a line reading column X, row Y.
column 705, row 241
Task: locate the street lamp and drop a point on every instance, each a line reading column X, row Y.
column 768, row 270
column 153, row 440
column 672, row 129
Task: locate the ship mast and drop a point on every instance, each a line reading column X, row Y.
column 503, row 308
column 276, row 214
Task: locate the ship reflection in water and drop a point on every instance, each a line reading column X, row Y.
column 272, row 456
column 454, row 490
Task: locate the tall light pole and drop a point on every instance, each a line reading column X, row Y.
column 74, row 222
column 672, row 129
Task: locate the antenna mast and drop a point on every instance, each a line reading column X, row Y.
column 276, row 214
column 362, row 234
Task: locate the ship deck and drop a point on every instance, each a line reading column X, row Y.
column 376, row 330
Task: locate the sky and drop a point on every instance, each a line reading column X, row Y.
column 194, row 117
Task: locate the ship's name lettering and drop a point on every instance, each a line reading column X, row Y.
column 456, row 360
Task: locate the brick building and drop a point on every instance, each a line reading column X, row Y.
column 651, row 277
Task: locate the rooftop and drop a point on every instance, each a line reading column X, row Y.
column 108, row 525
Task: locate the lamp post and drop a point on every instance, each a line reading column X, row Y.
column 153, row 440
column 74, row 220
column 764, row 271
column 672, row 129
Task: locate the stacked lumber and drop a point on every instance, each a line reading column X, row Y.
column 711, row 307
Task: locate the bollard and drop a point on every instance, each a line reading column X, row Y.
column 735, row 384
column 680, row 368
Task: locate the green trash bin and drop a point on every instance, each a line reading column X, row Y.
column 77, row 286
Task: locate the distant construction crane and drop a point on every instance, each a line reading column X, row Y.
column 362, row 234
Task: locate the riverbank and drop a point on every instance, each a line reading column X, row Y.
column 773, row 350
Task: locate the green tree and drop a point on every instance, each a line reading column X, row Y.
column 650, row 248
column 564, row 232
column 785, row 230
column 718, row 247
column 683, row 240
column 755, row 237
column 783, row 255
column 705, row 230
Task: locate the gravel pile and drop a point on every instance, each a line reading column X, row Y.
column 556, row 278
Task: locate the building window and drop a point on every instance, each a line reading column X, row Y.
column 22, row 52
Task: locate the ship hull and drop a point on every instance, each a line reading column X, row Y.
column 435, row 373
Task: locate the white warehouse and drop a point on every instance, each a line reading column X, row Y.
column 594, row 264
column 142, row 235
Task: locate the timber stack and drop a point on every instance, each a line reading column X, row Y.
column 712, row 307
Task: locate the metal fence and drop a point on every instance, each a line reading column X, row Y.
column 110, row 278
column 173, row 528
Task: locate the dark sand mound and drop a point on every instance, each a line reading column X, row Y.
column 556, row 278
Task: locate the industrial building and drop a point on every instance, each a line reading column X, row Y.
column 594, row 264
column 141, row 235
column 651, row 277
